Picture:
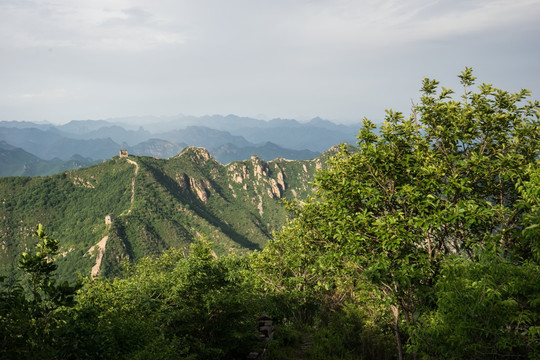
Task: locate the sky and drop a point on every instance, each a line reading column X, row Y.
column 341, row 60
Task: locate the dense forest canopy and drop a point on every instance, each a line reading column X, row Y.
column 423, row 243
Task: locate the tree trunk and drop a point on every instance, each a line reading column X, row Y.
column 395, row 311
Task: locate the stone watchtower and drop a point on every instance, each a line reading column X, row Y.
column 109, row 219
column 123, row 153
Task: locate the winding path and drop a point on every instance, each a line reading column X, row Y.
column 96, row 269
column 133, row 182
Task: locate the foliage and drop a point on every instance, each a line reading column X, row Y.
column 353, row 333
column 307, row 292
column 170, row 307
column 445, row 181
column 74, row 204
column 485, row 310
column 197, row 307
column 31, row 314
column 290, row 273
column 529, row 190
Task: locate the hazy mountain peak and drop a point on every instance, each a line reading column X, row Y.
column 83, row 126
column 4, row 145
column 196, row 153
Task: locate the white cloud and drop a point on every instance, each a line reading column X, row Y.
column 48, row 95
column 395, row 22
column 279, row 57
column 142, row 25
column 85, row 25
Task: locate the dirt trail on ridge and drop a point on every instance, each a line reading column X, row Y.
column 133, row 181
column 96, row 269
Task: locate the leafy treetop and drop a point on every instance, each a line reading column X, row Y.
column 442, row 182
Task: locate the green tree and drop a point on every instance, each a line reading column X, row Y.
column 31, row 314
column 487, row 309
column 529, row 190
column 45, row 294
column 169, row 307
column 442, row 182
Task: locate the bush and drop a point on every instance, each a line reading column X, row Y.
column 485, row 310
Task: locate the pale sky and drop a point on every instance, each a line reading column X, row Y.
column 63, row 60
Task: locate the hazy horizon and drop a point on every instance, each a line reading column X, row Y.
column 151, row 119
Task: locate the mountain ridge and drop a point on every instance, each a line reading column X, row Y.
column 18, row 162
column 154, row 204
column 102, row 139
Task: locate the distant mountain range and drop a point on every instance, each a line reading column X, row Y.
column 28, row 148
column 17, row 162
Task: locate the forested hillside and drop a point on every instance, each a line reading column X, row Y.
column 154, row 205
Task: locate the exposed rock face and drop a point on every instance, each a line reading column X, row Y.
column 77, row 181
column 239, row 173
column 100, row 246
column 182, row 180
column 271, row 178
column 260, row 167
column 200, row 187
column 274, row 190
column 280, row 178
column 232, row 191
column 198, row 154
column 260, row 205
column 237, row 178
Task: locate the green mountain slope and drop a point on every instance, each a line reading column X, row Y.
column 17, row 162
column 155, row 204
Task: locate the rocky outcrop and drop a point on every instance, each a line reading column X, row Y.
column 201, row 188
column 280, row 178
column 262, row 174
column 197, row 154
column 239, row 173
column 260, row 167
column 100, row 248
column 77, row 181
